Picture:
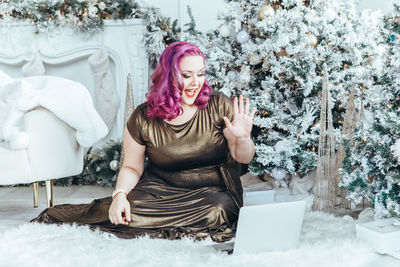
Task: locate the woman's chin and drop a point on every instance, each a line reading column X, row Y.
column 189, row 99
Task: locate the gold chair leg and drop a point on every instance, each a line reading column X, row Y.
column 49, row 193
column 35, row 194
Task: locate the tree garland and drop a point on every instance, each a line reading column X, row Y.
column 88, row 16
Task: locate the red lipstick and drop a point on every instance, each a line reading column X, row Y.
column 190, row 93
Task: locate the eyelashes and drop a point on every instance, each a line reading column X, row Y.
column 186, row 76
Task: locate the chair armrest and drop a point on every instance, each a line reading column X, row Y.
column 53, row 150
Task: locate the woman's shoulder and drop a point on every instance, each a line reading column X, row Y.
column 139, row 115
column 219, row 98
column 140, row 111
column 220, row 104
column 137, row 123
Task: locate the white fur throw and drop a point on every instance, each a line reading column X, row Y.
column 4, row 77
column 70, row 101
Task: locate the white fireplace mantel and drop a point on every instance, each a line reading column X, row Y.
column 65, row 53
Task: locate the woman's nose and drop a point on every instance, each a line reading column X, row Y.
column 195, row 80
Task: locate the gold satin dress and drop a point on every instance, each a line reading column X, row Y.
column 190, row 186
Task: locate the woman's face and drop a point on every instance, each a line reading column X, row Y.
column 193, row 71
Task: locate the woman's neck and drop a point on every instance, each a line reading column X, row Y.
column 186, row 115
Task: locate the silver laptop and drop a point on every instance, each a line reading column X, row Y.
column 267, row 227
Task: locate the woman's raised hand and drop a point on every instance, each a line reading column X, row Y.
column 242, row 118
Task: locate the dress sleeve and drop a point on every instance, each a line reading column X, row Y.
column 225, row 107
column 135, row 124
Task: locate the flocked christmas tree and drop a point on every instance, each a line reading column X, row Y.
column 273, row 52
column 372, row 164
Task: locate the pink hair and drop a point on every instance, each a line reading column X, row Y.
column 164, row 98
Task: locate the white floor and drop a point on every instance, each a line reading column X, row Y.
column 16, row 203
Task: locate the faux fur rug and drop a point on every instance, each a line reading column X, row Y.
column 325, row 241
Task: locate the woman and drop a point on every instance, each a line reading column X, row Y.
column 190, row 185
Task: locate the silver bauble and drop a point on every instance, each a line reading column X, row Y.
column 266, row 11
column 114, row 165
column 232, row 75
column 225, row 31
column 242, row 37
column 278, row 173
column 330, row 15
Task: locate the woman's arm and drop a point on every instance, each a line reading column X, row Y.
column 241, row 148
column 237, row 132
column 128, row 176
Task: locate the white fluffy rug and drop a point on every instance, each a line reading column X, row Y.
column 326, row 241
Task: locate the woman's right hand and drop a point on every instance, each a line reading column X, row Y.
column 120, row 210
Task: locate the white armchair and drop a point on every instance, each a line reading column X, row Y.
column 53, row 152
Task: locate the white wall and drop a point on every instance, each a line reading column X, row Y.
column 205, row 11
column 383, row 5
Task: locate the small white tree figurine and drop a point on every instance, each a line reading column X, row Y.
column 324, row 188
column 349, row 124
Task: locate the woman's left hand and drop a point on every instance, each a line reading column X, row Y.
column 242, row 118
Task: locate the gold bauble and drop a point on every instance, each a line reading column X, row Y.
column 42, row 5
column 312, row 40
column 266, row 11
